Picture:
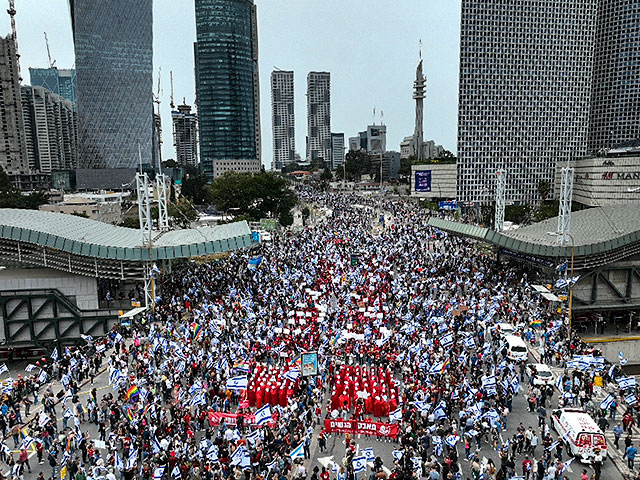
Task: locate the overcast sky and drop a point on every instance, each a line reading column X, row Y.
column 369, row 46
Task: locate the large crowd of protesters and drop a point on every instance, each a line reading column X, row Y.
column 404, row 320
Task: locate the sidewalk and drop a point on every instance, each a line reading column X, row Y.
column 598, row 395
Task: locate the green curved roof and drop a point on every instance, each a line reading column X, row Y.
column 90, row 238
column 595, row 231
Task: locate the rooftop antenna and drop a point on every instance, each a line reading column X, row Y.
column 52, row 62
column 420, row 48
column 381, row 117
column 374, row 115
column 171, row 80
column 12, row 13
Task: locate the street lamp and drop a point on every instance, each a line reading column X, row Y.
column 556, row 234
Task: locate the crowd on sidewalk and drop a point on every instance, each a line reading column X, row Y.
column 403, row 318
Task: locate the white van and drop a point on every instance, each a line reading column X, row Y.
column 581, row 435
column 516, row 349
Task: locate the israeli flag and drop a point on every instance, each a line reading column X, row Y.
column 118, row 463
column 436, row 368
column 452, row 440
column 553, row 445
column 439, row 413
column 156, row 445
column 237, row 383
column 86, row 338
column 3, row 368
column 561, row 283
column 421, row 406
column 623, row 361
column 368, row 454
column 212, row 453
column 607, row 402
column 273, row 465
column 158, row 472
column 631, row 399
column 417, row 463
column 397, row 454
column 54, row 354
column 43, row 377
column 396, row 415
column 626, row 382
column 43, row 419
column 298, row 452
column 469, row 342
column 359, row 464
column 292, row 375
column 195, row 388
column 133, row 458
column 263, row 415
column 515, row 384
column 175, row 473
column 472, row 433
column 30, row 368
column 238, row 455
column 559, row 383
column 447, row 340
column 100, row 347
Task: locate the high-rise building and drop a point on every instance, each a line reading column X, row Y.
column 13, row 150
column 337, row 150
column 282, row 119
column 185, row 135
column 60, row 81
column 50, row 130
column 227, row 82
column 113, row 45
column 615, row 102
column 524, row 92
column 319, row 116
column 376, row 138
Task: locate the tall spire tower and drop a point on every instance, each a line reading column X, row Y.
column 419, row 88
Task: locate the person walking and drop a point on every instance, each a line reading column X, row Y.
column 617, row 433
column 630, row 455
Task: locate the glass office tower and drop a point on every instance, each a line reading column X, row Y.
column 227, row 84
column 113, row 44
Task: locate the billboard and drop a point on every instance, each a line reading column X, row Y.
column 309, row 362
column 423, row 181
column 448, row 205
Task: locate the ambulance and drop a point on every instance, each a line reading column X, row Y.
column 581, row 435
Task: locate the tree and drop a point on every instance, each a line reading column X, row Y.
column 356, row 164
column 326, row 175
column 318, row 164
column 169, row 163
column 130, row 222
column 544, row 189
column 193, row 188
column 290, row 167
column 11, row 197
column 256, row 195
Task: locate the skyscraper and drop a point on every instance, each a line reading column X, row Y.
column 50, row 129
column 113, row 45
column 185, row 135
column 615, row 102
column 319, row 116
column 227, row 82
column 524, row 92
column 57, row 80
column 337, row 150
column 13, row 149
column 282, row 119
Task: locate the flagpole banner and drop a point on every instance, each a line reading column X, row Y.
column 356, row 427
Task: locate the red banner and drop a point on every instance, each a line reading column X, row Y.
column 374, row 429
column 216, row 418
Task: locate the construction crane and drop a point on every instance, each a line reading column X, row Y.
column 171, row 80
column 52, row 63
column 158, row 121
column 12, row 13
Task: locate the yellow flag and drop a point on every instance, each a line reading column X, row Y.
column 63, row 472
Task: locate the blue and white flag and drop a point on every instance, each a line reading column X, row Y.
column 607, row 402
column 292, row 374
column 3, row 368
column 238, row 455
column 43, row 377
column 175, row 473
column 212, row 453
column 452, row 440
column 631, row 399
column 30, row 368
column 54, row 354
column 133, row 458
column 368, row 454
column 86, row 338
column 263, row 415
column 195, row 388
column 469, row 342
column 553, row 445
column 158, row 472
column 298, row 452
column 396, row 415
column 359, row 464
column 623, row 361
column 561, row 283
column 515, row 384
column 626, row 382
column 417, row 463
column 237, row 383
column 155, row 445
column 100, row 347
column 118, row 462
column 397, row 454
column 447, row 340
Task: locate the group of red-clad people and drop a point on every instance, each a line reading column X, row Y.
column 269, row 385
column 364, row 390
